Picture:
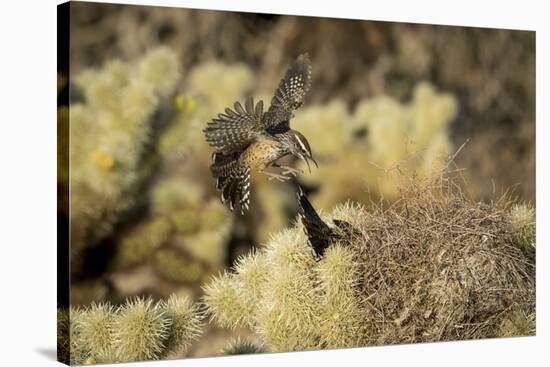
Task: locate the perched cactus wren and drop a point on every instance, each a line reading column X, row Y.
column 248, row 139
column 320, row 236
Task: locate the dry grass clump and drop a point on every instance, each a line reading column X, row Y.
column 437, row 266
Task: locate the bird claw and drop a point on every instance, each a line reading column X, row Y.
column 275, row 176
column 285, row 175
column 290, row 171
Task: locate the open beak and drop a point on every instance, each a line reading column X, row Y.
column 305, row 158
column 314, row 161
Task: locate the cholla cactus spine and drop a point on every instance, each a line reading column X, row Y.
column 140, row 330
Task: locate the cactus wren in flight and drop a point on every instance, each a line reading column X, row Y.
column 247, row 139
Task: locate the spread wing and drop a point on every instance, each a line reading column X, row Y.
column 318, row 232
column 289, row 95
column 234, row 130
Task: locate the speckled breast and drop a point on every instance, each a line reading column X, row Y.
column 262, row 153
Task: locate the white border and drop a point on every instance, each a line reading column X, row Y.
column 28, row 201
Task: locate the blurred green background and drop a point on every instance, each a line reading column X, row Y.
column 145, row 216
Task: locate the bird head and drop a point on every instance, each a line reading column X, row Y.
column 299, row 147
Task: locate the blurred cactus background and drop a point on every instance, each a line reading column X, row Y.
column 389, row 101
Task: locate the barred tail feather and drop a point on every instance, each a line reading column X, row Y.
column 233, row 179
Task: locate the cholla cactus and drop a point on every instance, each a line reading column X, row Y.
column 185, row 325
column 288, row 320
column 138, row 330
column 71, row 348
column 224, row 300
column 241, row 346
column 184, row 238
column 108, row 133
column 139, row 244
column 523, row 223
column 396, row 131
column 186, row 193
column 63, row 336
column 220, row 83
column 174, row 265
column 429, row 268
column 184, row 235
column 97, row 330
column 287, row 298
column 338, row 276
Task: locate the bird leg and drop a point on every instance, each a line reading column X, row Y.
column 287, row 170
column 275, row 176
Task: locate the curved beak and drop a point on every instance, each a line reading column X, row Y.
column 313, row 160
column 306, row 159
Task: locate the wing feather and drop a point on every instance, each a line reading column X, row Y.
column 290, row 93
column 234, row 130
